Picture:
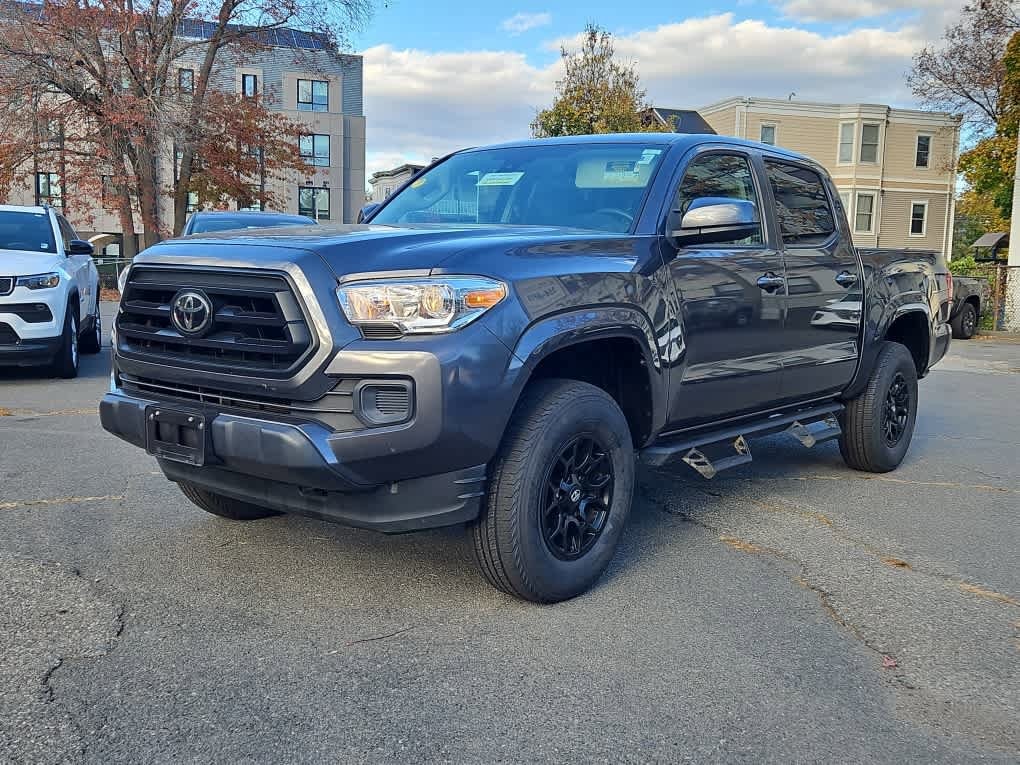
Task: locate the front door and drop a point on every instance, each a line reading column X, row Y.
column 823, row 281
column 77, row 265
column 731, row 295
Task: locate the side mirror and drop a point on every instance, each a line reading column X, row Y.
column 80, row 247
column 366, row 212
column 714, row 219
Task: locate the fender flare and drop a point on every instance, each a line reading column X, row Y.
column 600, row 322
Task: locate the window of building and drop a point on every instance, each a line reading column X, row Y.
column 315, row 149
column 192, row 201
column 47, row 189
column 186, row 80
column 313, row 201
column 918, row 218
column 802, row 206
column 768, row 134
column 846, row 142
column 387, row 191
column 864, row 216
column 313, row 95
column 108, row 189
column 869, row 143
column 252, row 202
column 51, row 132
column 249, row 85
column 719, row 175
column 923, row 153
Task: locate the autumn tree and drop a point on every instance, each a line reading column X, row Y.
column 92, row 86
column 597, row 93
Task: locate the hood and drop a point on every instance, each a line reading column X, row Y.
column 28, row 263
column 356, row 248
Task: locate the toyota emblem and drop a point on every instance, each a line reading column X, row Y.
column 191, row 312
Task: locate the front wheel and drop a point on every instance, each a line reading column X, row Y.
column 66, row 362
column 560, row 491
column 225, row 507
column 879, row 423
column 92, row 342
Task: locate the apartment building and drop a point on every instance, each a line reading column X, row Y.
column 385, row 182
column 298, row 76
column 894, row 168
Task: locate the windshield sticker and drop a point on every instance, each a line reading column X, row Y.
column 648, row 156
column 620, row 171
column 45, row 246
column 500, row 179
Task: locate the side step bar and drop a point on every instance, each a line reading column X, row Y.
column 711, row 451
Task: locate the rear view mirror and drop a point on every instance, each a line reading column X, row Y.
column 714, row 219
column 367, row 210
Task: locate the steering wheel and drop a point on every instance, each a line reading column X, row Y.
column 626, row 216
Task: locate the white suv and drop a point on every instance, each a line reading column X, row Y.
column 49, row 291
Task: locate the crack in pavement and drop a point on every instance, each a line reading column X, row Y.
column 58, row 501
column 49, row 616
column 953, row 642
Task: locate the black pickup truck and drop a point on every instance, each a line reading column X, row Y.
column 502, row 337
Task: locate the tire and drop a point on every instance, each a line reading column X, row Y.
column 225, row 507
column 516, row 551
column 65, row 364
column 866, row 443
column 965, row 323
column 92, row 342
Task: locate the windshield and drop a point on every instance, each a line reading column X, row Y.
column 29, row 231
column 589, row 186
column 211, row 223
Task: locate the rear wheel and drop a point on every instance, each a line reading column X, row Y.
column 225, row 507
column 559, row 494
column 966, row 321
column 66, row 362
column 879, row 423
column 92, row 342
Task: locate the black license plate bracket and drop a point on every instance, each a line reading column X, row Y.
column 175, row 434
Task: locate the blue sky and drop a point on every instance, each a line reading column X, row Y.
column 442, row 75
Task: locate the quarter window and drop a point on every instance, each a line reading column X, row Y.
column 846, row 142
column 768, row 134
column 313, row 95
column 918, row 218
column 802, row 206
column 719, row 175
column 869, row 143
column 865, row 214
column 315, row 150
column 923, row 154
column 313, row 202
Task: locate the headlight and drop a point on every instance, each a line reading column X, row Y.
column 122, row 279
column 420, row 306
column 39, row 281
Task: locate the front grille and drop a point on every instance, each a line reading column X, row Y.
column 32, row 313
column 6, row 285
column 335, row 409
column 7, row 335
column 258, row 327
column 393, row 401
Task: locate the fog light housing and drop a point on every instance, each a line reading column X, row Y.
column 384, row 402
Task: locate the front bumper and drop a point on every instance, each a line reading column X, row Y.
column 297, row 469
column 31, row 322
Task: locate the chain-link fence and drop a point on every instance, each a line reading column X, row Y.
column 1004, row 311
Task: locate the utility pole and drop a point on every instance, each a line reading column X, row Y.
column 1012, row 312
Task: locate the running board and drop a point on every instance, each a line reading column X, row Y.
column 710, row 452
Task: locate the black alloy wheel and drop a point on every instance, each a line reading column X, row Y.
column 896, row 410
column 578, row 497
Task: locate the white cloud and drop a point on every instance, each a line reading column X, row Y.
column 522, row 22
column 841, row 10
column 421, row 104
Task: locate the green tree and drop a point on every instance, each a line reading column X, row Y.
column 597, row 93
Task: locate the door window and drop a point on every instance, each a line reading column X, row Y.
column 802, row 207
column 66, row 232
column 719, row 175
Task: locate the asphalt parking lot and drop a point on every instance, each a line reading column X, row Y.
column 789, row 610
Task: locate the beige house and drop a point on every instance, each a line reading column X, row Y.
column 385, row 182
column 895, row 168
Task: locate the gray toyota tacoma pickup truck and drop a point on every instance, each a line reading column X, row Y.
column 502, row 340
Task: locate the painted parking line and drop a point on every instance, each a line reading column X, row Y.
column 58, row 501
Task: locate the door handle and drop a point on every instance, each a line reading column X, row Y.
column 846, row 279
column 770, row 282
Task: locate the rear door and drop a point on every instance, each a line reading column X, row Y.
column 823, row 281
column 731, row 296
